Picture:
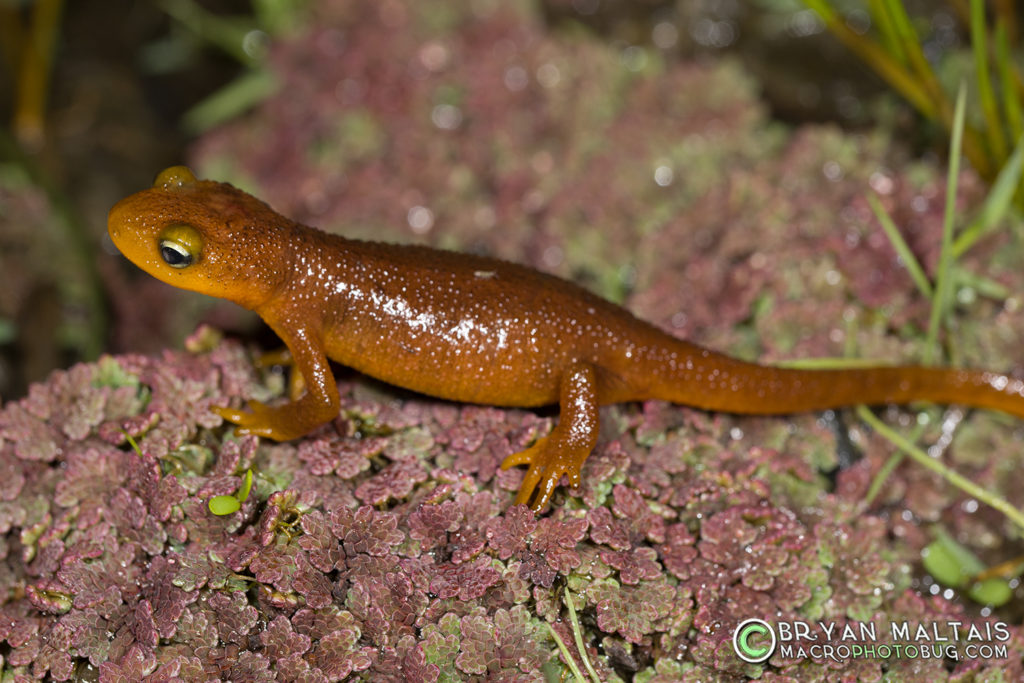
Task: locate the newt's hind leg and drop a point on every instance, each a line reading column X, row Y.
column 569, row 443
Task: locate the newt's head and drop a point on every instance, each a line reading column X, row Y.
column 202, row 235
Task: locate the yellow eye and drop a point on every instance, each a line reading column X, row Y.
column 180, row 245
column 175, row 176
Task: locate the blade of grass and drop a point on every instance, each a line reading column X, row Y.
column 232, row 100
column 1007, row 82
column 226, row 33
column 911, row 46
column 986, row 287
column 900, row 245
column 887, row 469
column 35, row 74
column 951, row 476
column 883, row 475
column 569, row 661
column 883, row 20
column 972, row 145
column 943, row 281
column 989, row 106
column 997, row 203
column 872, row 54
column 1006, row 13
column 918, row 85
column 577, row 633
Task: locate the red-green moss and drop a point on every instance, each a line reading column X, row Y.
column 384, row 545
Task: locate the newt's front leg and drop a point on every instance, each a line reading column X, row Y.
column 569, row 443
column 319, row 404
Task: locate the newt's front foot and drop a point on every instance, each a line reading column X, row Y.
column 567, row 446
column 298, row 417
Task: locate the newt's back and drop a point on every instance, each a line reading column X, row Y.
column 470, row 328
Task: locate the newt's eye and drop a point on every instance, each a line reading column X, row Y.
column 175, row 176
column 175, row 255
column 180, row 246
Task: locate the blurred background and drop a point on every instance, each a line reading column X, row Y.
column 591, row 138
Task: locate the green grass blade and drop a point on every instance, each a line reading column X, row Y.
column 989, row 106
column 911, row 46
column 232, row 100
column 227, row 33
column 874, row 55
column 943, row 281
column 577, row 633
column 951, row 476
column 890, row 37
column 910, row 262
column 884, row 472
column 984, row 286
column 569, row 661
column 1008, row 83
column 997, row 203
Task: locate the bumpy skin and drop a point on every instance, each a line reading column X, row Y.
column 468, row 328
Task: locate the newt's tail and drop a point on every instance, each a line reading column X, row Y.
column 712, row 381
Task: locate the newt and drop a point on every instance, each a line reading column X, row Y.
column 471, row 329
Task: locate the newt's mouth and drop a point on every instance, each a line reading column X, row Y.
column 116, row 219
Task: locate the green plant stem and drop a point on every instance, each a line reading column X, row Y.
column 989, row 106
column 911, row 47
column 569, row 661
column 901, row 247
column 950, row 475
column 997, row 203
column 877, row 58
column 1008, row 83
column 919, row 87
column 943, row 280
column 577, row 633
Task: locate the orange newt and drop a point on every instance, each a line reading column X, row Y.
column 469, row 328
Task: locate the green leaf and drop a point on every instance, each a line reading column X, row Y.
column 243, row 493
column 224, row 505
column 230, row 101
column 1008, row 82
column 944, row 559
column 953, row 565
column 901, row 247
column 943, row 280
column 997, row 203
column 992, row 591
column 989, row 106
